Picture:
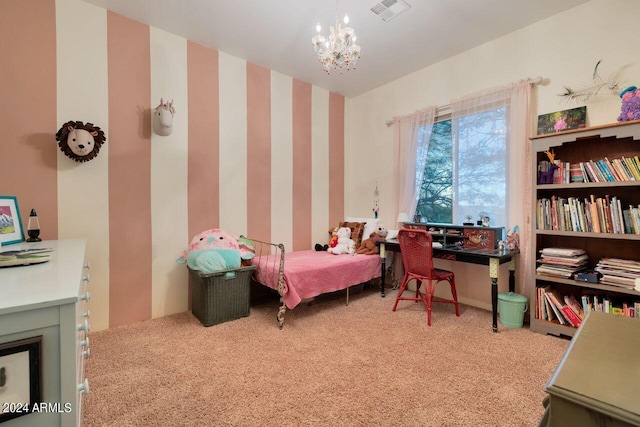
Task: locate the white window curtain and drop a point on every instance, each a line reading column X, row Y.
column 412, row 134
column 514, row 100
column 479, row 133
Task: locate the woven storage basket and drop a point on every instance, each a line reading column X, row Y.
column 221, row 296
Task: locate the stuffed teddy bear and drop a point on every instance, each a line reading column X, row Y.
column 630, row 109
column 369, row 246
column 345, row 244
column 214, row 250
column 333, row 240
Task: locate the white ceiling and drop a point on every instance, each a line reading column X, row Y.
column 276, row 34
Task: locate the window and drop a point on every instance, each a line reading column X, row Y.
column 465, row 172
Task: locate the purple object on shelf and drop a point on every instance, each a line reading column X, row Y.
column 547, row 177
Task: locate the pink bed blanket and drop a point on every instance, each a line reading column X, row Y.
column 311, row 273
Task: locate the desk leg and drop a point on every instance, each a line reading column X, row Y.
column 494, row 264
column 512, row 274
column 383, row 255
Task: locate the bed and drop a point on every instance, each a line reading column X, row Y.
column 300, row 275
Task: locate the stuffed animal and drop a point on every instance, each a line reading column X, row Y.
column 630, row 109
column 345, row 244
column 513, row 239
column 546, row 177
column 213, row 250
column 247, row 251
column 369, row 246
column 333, row 240
column 163, row 118
column 80, row 142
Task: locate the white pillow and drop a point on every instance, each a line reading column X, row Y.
column 369, row 226
column 392, row 234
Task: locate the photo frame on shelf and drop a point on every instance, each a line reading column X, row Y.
column 20, row 376
column 11, row 230
column 559, row 121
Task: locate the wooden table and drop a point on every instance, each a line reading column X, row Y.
column 597, row 383
column 491, row 257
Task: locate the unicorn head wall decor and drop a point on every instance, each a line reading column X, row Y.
column 163, row 118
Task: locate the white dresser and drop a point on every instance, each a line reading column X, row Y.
column 49, row 300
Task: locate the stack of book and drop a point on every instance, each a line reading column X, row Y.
column 619, row 272
column 553, row 306
column 561, row 262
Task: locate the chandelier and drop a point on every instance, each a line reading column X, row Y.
column 340, row 50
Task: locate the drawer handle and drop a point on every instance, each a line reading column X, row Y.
column 86, row 296
column 84, row 342
column 87, row 266
column 83, row 388
column 87, row 352
column 84, row 326
column 86, row 278
column 87, row 314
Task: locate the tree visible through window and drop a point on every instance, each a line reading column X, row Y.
column 465, row 173
column 435, row 200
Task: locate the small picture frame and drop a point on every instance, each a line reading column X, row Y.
column 20, row 377
column 11, row 230
column 560, row 121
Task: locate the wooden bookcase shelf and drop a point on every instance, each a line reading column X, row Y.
column 582, row 145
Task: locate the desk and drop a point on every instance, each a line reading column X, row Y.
column 491, row 257
column 597, row 383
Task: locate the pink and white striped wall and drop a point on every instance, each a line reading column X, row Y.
column 252, row 151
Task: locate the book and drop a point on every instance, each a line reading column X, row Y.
column 567, row 252
column 627, row 170
column 573, row 319
column 575, row 173
column 557, row 313
column 574, row 305
column 612, row 170
column 604, row 170
column 554, row 300
column 586, row 308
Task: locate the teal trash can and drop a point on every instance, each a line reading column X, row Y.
column 512, row 307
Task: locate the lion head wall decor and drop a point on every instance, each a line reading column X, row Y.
column 80, row 141
column 163, row 118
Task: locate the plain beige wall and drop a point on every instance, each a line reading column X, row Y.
column 562, row 49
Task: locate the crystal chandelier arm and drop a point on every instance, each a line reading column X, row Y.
column 338, row 51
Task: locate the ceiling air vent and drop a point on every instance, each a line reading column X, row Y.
column 389, row 9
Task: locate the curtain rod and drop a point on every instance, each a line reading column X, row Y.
column 446, row 109
column 442, row 110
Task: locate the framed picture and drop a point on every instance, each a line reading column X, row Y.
column 20, row 377
column 559, row 121
column 10, row 224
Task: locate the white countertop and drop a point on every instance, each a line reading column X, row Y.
column 40, row 285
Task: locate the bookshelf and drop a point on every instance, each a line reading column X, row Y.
column 577, row 229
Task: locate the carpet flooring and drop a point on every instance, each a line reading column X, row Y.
column 331, row 365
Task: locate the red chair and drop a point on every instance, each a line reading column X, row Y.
column 417, row 258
